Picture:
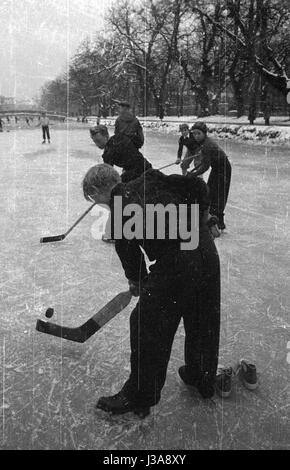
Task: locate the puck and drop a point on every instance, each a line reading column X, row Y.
column 49, row 312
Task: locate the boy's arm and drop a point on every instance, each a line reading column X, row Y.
column 204, row 164
column 109, row 154
column 129, row 252
column 140, row 135
column 135, row 134
column 117, row 126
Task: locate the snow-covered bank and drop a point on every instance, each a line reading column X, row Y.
column 275, row 134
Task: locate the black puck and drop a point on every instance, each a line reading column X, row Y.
column 49, row 312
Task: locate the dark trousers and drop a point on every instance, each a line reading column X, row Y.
column 189, row 289
column 219, row 186
column 45, row 132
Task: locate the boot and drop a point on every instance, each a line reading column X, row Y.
column 119, row 404
column 189, row 378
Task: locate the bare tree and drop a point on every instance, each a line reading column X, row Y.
column 149, row 32
column 201, row 53
column 258, row 23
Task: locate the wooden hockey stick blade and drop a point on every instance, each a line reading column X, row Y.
column 57, row 238
column 82, row 333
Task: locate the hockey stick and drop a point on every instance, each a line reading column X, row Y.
column 59, row 238
column 171, row 164
column 82, row 333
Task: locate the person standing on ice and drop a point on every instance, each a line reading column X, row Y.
column 186, row 140
column 119, row 150
column 181, row 284
column 127, row 124
column 44, row 123
column 219, row 180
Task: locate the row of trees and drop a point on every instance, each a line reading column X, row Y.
column 162, row 52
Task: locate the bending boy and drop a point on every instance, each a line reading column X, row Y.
column 177, row 286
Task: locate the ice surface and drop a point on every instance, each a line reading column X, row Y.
column 49, row 387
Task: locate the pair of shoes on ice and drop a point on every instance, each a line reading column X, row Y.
column 245, row 371
column 45, row 142
column 119, row 404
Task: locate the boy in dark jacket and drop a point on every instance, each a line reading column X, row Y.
column 186, row 140
column 127, row 124
column 119, row 150
column 181, row 284
column 219, row 180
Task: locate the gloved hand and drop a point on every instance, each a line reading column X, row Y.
column 134, row 288
column 212, row 224
column 178, row 161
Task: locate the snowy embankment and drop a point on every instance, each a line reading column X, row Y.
column 274, row 134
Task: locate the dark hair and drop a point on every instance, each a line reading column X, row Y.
column 201, row 126
column 99, row 129
column 99, row 177
column 183, row 126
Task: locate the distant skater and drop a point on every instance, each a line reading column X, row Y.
column 44, row 123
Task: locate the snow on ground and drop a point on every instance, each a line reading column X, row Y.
column 222, row 127
column 49, row 386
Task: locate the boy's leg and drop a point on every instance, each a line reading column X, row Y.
column 202, row 329
column 48, row 134
column 43, row 134
column 153, row 325
column 202, row 320
column 219, row 185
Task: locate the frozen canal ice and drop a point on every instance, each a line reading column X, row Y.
column 49, row 387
